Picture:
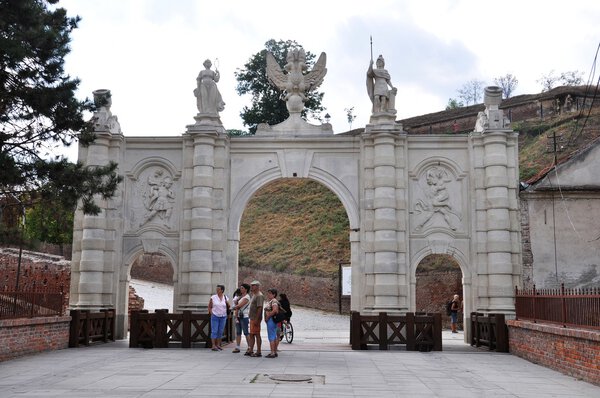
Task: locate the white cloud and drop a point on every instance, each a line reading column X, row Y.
column 150, row 52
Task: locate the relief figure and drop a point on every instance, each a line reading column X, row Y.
column 436, row 200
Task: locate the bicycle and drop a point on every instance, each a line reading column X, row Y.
column 287, row 332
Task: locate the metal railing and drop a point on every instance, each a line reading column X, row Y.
column 31, row 304
column 567, row 307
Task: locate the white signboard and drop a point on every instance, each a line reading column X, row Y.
column 346, row 280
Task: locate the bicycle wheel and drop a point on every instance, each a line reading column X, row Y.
column 289, row 332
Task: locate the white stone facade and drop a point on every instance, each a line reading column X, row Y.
column 406, row 197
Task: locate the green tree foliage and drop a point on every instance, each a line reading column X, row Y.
column 350, row 116
column 267, row 105
column 39, row 111
column 50, row 223
column 508, row 83
column 453, row 103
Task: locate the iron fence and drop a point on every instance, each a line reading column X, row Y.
column 31, row 304
column 564, row 306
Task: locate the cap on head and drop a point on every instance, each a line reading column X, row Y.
column 255, row 283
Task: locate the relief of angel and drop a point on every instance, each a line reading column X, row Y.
column 293, row 82
column 436, row 200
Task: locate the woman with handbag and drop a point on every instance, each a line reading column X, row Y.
column 271, row 310
column 241, row 310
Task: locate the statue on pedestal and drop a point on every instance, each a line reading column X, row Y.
column 208, row 97
column 294, row 84
column 378, row 80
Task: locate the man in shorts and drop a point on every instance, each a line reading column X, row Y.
column 256, row 313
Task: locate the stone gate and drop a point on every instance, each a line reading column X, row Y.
column 406, row 196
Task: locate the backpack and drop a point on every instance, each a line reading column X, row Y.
column 449, row 307
column 280, row 316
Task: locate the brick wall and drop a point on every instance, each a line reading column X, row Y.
column 154, row 268
column 307, row 291
column 26, row 336
column 41, row 270
column 435, row 288
column 574, row 352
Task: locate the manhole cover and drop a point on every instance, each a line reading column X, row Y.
column 285, row 378
column 298, row 378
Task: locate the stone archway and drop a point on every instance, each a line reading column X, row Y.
column 405, row 196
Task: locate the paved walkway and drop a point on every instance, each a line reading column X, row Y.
column 322, row 354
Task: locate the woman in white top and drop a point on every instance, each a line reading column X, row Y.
column 217, row 308
column 241, row 311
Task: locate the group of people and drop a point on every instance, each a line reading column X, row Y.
column 249, row 307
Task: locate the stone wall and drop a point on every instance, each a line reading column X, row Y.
column 26, row 336
column 574, row 352
column 154, row 268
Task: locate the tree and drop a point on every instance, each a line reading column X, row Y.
column 350, row 116
column 50, row 223
column 471, row 91
column 507, row 83
column 39, row 111
column 267, row 106
column 453, row 103
column 569, row 78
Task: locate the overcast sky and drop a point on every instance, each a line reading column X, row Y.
column 149, row 52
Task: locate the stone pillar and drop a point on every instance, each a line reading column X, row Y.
column 204, row 231
column 385, row 271
column 94, row 236
column 497, row 184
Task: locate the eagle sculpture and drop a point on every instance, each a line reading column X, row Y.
column 295, row 83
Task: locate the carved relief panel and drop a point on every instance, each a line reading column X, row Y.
column 438, row 199
column 154, row 197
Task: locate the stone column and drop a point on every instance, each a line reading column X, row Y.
column 387, row 262
column 197, row 262
column 94, row 236
column 498, row 205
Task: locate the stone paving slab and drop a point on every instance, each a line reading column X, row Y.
column 114, row 370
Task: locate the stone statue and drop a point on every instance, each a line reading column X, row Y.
column 378, row 80
column 103, row 119
column 436, row 200
column 159, row 198
column 295, row 83
column 208, row 97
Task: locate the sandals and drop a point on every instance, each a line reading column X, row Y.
column 214, row 349
column 256, row 355
column 271, row 356
column 248, row 353
column 236, row 351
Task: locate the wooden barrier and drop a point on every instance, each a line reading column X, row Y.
column 489, row 330
column 90, row 327
column 417, row 333
column 159, row 329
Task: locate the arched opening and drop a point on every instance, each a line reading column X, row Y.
column 151, row 283
column 438, row 279
column 294, row 233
